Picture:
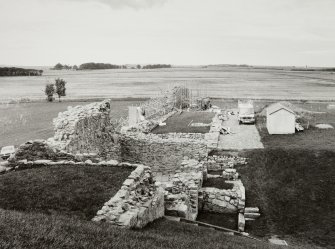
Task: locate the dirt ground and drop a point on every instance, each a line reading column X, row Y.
column 242, row 137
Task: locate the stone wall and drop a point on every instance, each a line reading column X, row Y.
column 212, row 137
column 86, row 129
column 163, row 155
column 182, row 188
column 39, row 149
column 138, row 202
column 224, row 162
column 223, row 200
column 174, row 135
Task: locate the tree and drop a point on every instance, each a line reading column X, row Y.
column 138, row 66
column 49, row 91
column 60, row 88
column 75, row 67
column 58, row 66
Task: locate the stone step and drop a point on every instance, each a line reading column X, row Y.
column 249, row 219
column 252, row 215
column 251, row 210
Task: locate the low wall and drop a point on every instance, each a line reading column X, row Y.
column 138, row 202
column 212, row 137
column 163, row 155
column 224, row 162
column 222, row 200
column 39, row 149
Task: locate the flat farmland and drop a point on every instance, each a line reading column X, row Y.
column 28, row 121
column 213, row 81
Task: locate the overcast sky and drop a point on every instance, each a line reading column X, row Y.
column 179, row 32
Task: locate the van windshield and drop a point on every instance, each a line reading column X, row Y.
column 246, row 111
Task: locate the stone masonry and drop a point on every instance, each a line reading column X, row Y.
column 163, row 155
column 138, row 202
column 86, row 129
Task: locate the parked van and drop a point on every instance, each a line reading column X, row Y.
column 246, row 112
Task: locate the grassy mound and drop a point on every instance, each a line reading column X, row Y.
column 71, row 190
column 294, row 190
column 30, row 231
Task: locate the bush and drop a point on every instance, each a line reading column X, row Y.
column 49, row 91
column 60, row 88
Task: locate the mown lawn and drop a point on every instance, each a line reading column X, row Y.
column 69, row 190
column 30, row 231
column 181, row 123
column 294, row 189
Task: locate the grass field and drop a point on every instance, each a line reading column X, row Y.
column 214, row 81
column 294, row 189
column 31, row 231
column 181, row 123
column 27, row 121
column 66, row 190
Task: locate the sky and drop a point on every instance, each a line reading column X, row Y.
column 178, row 32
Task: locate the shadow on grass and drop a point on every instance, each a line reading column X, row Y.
column 294, row 190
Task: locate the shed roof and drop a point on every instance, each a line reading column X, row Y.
column 276, row 107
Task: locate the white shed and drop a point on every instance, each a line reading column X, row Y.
column 280, row 119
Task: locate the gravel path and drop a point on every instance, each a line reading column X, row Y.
column 243, row 136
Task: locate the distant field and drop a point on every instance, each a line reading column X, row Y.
column 222, row 82
column 22, row 122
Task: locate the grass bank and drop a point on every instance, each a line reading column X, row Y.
column 294, row 189
column 30, row 231
column 69, row 190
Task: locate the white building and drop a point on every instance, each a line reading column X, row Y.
column 280, row 119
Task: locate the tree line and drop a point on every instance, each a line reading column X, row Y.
column 154, row 66
column 15, row 71
column 60, row 66
column 97, row 66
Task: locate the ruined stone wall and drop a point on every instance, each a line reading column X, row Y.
column 138, row 202
column 181, row 189
column 86, row 129
column 39, row 150
column 174, row 135
column 163, row 155
column 223, row 200
column 217, row 163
